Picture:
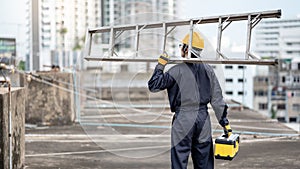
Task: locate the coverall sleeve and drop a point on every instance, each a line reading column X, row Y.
column 160, row 80
column 217, row 101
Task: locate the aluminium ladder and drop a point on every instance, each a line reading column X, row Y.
column 223, row 22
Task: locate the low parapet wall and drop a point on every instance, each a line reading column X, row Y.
column 50, row 99
column 18, row 128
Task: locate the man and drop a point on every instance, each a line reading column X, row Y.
column 190, row 88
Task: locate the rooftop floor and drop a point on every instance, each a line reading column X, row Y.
column 120, row 144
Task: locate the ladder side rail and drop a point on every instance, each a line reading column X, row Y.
column 204, row 20
column 174, row 60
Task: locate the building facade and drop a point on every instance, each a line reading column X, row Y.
column 57, row 30
column 279, row 39
column 237, row 81
column 121, row 12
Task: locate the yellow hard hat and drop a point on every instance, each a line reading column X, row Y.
column 198, row 41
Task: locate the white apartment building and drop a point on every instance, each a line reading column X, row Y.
column 279, row 39
column 57, row 30
column 237, row 81
column 121, row 12
column 13, row 26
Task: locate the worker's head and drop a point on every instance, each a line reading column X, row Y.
column 197, row 45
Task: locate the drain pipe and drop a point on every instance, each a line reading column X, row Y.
column 10, row 125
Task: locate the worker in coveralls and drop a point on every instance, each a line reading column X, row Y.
column 190, row 87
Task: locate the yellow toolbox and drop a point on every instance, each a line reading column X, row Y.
column 227, row 148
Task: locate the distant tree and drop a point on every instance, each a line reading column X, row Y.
column 273, row 112
column 21, row 65
column 63, row 31
column 77, row 46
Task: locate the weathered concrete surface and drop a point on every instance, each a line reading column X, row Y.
column 18, row 128
column 275, row 154
column 74, row 146
column 50, row 99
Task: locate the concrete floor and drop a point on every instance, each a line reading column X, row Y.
column 265, row 143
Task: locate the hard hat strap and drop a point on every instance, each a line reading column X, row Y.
column 185, row 48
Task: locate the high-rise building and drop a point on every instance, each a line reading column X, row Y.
column 121, row 12
column 13, row 32
column 237, row 81
column 279, row 39
column 116, row 11
column 57, row 30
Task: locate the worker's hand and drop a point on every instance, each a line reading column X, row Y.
column 227, row 130
column 224, row 121
column 163, row 59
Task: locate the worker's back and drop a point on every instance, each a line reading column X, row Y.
column 192, row 87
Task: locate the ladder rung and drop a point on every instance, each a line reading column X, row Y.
column 191, row 60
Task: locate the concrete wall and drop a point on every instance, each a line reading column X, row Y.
column 50, row 101
column 18, row 128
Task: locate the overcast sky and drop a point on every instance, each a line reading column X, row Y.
column 194, row 8
column 13, row 14
column 235, row 35
column 13, row 11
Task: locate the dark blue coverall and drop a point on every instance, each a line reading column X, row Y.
column 190, row 88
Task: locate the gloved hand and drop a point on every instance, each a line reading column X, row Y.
column 163, row 59
column 227, row 130
column 224, row 121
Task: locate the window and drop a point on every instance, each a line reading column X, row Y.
column 281, row 106
column 296, row 79
column 229, row 80
column 283, row 79
column 241, row 80
column 260, row 93
column 228, row 67
column 241, row 67
column 262, row 79
column 124, row 68
column 296, row 107
column 262, row 106
column 240, row 93
column 229, row 92
column 296, row 94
